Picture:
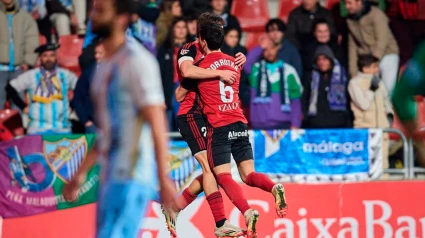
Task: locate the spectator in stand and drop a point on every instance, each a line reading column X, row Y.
column 62, row 16
column 167, row 58
column 276, row 93
column 18, row 40
column 48, row 87
column 325, row 98
column 301, row 19
column 231, row 47
column 322, row 36
column 370, row 100
column 288, row 53
column 369, row 33
column 82, row 100
column 38, row 11
column 168, row 11
column 143, row 28
column 219, row 7
column 192, row 25
column 197, row 6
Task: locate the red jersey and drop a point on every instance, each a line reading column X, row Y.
column 221, row 102
column 190, row 51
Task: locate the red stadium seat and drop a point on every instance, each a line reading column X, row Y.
column 285, row 7
column 252, row 14
column 10, row 124
column 252, row 39
column 71, row 47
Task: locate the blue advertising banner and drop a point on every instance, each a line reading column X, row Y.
column 327, row 154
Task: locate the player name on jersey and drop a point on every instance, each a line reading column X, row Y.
column 223, row 62
column 228, row 106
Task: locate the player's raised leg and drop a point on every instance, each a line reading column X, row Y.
column 260, row 180
column 219, row 152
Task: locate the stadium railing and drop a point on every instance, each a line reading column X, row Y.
column 406, row 170
column 414, row 170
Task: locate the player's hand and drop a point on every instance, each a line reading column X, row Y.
column 228, row 76
column 168, row 191
column 71, row 189
column 240, row 59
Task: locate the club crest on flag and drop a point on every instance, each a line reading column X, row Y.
column 65, row 156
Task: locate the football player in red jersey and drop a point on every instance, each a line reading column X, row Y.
column 192, row 126
column 227, row 130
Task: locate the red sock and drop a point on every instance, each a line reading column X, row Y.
column 185, row 199
column 233, row 191
column 260, row 180
column 217, row 206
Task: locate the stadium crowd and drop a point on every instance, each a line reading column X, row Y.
column 316, row 67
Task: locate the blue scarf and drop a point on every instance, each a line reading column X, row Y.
column 337, row 90
column 264, row 87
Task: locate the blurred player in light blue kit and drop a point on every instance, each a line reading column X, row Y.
column 130, row 112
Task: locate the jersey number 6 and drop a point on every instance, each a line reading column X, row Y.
column 223, row 90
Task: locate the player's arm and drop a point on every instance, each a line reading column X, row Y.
column 191, row 71
column 185, row 60
column 147, row 94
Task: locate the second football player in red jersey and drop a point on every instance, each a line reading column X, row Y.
column 192, row 126
column 228, row 131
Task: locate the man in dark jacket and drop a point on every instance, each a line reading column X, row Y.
column 325, row 99
column 288, row 53
column 301, row 20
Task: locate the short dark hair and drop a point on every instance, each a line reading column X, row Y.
column 278, row 22
column 228, row 29
column 319, row 21
column 366, row 61
column 213, row 35
column 126, row 6
column 207, row 18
